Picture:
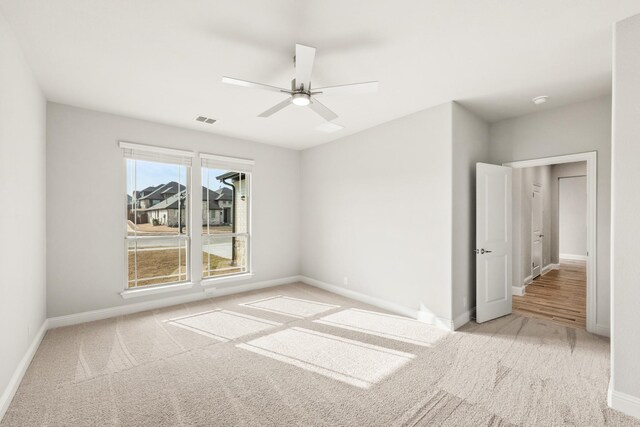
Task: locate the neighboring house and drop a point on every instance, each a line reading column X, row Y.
column 168, row 212
column 165, row 204
column 237, row 192
column 219, row 211
column 151, row 196
column 238, row 183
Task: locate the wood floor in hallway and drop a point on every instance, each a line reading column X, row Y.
column 559, row 296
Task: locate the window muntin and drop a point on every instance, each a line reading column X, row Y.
column 157, row 222
column 225, row 222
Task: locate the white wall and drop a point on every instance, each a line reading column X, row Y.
column 85, row 179
column 390, row 212
column 572, row 214
column 22, row 190
column 558, row 172
column 625, row 337
column 376, row 210
column 470, row 145
column 571, row 129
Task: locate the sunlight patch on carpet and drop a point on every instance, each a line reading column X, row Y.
column 222, row 325
column 386, row 326
column 352, row 362
column 289, row 306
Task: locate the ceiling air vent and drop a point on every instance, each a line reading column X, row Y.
column 207, row 120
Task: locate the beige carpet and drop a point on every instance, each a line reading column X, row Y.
column 296, row 355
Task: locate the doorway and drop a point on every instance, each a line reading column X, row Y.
column 555, row 255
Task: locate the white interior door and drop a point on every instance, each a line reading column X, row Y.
column 536, row 231
column 493, row 241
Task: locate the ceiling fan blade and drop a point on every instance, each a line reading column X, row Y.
column 323, row 111
column 304, row 65
column 354, row 88
column 246, row 83
column 276, row 108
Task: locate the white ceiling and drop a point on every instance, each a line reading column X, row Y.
column 162, row 60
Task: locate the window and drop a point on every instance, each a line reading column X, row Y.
column 226, row 235
column 157, row 215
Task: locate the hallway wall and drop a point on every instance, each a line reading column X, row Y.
column 572, row 214
column 523, row 184
column 558, row 172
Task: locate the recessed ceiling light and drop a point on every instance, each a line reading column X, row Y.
column 329, row 127
column 540, row 99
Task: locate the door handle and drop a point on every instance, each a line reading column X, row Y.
column 482, row 251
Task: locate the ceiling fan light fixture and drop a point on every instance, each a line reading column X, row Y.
column 300, row 99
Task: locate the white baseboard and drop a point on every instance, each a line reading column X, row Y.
column 573, row 257
column 21, row 369
column 420, row 315
column 236, row 289
column 463, row 319
column 547, row 268
column 522, row 290
column 121, row 310
column 602, row 330
column 623, row 402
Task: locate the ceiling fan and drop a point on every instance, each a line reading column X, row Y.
column 301, row 92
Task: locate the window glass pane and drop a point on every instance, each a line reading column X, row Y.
column 156, row 222
column 224, row 201
column 156, row 261
column 223, row 255
column 157, row 202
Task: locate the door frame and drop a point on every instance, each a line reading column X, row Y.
column 591, row 158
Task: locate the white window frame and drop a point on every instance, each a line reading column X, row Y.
column 232, row 164
column 159, row 153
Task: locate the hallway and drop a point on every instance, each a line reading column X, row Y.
column 558, row 296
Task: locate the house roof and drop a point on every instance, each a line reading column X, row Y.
column 228, row 175
column 214, row 196
column 149, row 189
column 140, row 193
column 169, row 203
column 159, row 192
column 222, row 194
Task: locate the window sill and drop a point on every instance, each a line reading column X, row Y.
column 212, row 283
column 141, row 292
